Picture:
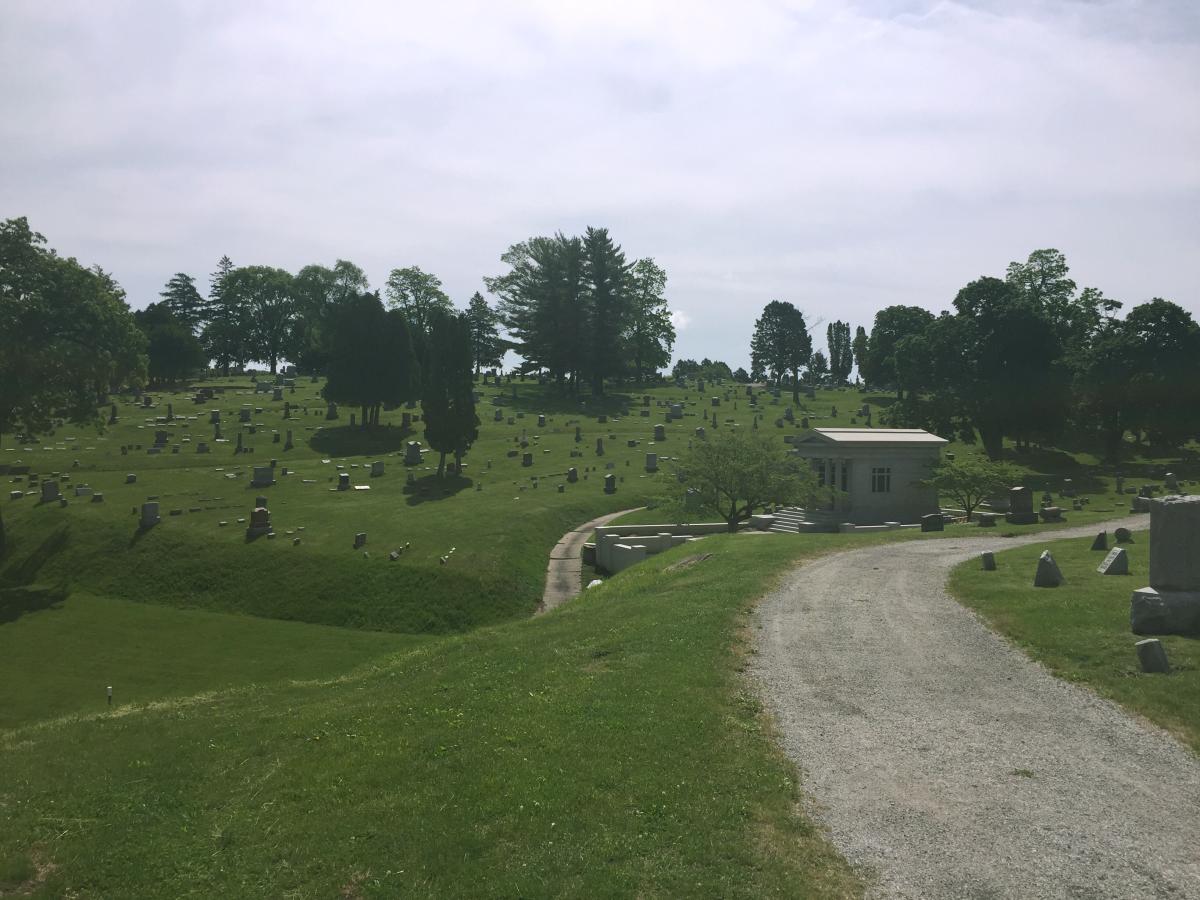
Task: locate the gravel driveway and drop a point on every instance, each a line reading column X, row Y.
column 944, row 762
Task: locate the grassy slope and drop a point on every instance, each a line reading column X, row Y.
column 1081, row 628
column 607, row 748
column 60, row 660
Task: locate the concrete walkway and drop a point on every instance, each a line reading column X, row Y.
column 565, row 570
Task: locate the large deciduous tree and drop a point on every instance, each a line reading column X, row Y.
column 650, row 333
column 448, row 391
column 780, row 345
column 266, row 297
column 419, row 295
column 320, row 291
column 892, row 324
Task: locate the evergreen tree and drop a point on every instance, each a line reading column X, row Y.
column 448, row 392
column 606, row 278
column 487, row 347
column 173, row 352
column 841, row 355
column 185, row 303
column 224, row 335
column 859, row 346
column 372, row 363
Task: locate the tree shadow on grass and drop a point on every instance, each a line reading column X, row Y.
column 1053, row 466
column 346, row 440
column 20, row 574
column 19, row 601
column 431, row 488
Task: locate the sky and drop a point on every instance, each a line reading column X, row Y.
column 841, row 156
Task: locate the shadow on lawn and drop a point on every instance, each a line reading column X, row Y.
column 346, row 440
column 18, row 601
column 25, row 572
column 430, row 488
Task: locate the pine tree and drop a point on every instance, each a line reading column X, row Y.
column 841, row 355
column 606, row 277
column 487, row 348
column 184, row 301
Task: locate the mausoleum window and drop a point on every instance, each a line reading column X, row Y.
column 881, row 480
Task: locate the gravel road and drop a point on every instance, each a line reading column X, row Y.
column 944, row 762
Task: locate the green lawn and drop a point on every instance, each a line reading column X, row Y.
column 608, row 748
column 60, row 660
column 1080, row 629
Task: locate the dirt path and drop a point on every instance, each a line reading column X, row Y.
column 944, row 761
column 566, row 566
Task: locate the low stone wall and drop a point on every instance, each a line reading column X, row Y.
column 616, row 552
column 695, row 528
column 851, row 528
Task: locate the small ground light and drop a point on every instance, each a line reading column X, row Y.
column 110, row 695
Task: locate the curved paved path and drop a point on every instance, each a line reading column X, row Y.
column 565, row 570
column 944, row 761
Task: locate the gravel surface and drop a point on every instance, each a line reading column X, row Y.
column 944, row 762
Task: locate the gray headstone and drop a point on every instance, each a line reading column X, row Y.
column 1101, row 541
column 1048, row 574
column 1116, row 563
column 1152, row 656
column 1123, row 536
column 988, row 559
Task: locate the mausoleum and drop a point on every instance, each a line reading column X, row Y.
column 870, row 476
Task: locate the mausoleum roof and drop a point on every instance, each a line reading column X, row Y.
column 873, row 436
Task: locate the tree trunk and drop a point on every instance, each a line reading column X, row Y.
column 2, row 535
column 992, row 438
column 441, row 472
column 363, row 414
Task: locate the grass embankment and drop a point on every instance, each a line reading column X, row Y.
column 1080, row 630
column 609, row 748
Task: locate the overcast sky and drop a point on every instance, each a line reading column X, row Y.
column 843, row 156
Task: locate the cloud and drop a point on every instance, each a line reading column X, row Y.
column 680, row 319
column 841, row 157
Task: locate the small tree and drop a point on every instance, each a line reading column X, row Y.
column 972, row 480
column 448, row 395
column 736, row 472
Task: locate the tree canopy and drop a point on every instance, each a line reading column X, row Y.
column 780, row 345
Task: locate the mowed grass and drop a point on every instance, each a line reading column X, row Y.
column 1080, row 630
column 61, row 659
column 608, row 748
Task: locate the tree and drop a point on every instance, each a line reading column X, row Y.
column 224, row 335
column 266, row 297
column 841, row 355
column 67, row 337
column 650, row 334
column 606, row 280
column 892, row 324
column 859, row 347
column 1162, row 347
column 185, row 303
column 372, row 363
column 735, row 472
column 818, row 367
column 780, row 344
column 971, row 480
column 173, row 351
column 448, row 396
column 419, row 295
column 487, row 347
column 319, row 292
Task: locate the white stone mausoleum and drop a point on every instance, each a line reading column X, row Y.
column 870, row 476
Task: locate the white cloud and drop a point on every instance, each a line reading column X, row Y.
column 842, row 157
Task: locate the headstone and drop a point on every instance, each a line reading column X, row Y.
column 602, row 419
column 343, row 481
column 131, row 478
column 660, row 432
column 1123, row 536
column 1152, row 657
column 1171, row 603
column 360, row 540
column 716, row 401
column 377, row 468
column 541, row 421
column 244, row 414
column 331, row 411
column 49, row 491
column 1048, row 574
column 988, row 559
column 412, row 453
column 1052, row 514
column 987, row 520
column 572, row 475
column 1115, row 563
column 277, row 394
column 497, row 416
column 526, row 460
column 701, row 433
column 804, row 422
column 1171, row 482
column 651, row 462
column 287, row 444
column 610, row 484
column 1101, row 541
column 1020, row 507
column 260, row 522
column 933, row 522
column 149, row 516
column 599, row 446
column 264, row 476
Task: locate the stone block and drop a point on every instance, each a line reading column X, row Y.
column 988, row 560
column 1175, row 543
column 1048, row 573
column 1101, row 541
column 933, row 522
column 1116, row 563
column 1152, row 657
column 1167, row 612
